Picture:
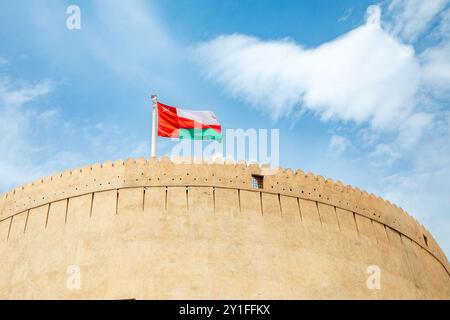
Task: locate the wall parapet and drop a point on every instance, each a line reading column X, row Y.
column 221, row 174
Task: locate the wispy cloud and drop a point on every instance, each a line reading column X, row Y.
column 347, row 13
column 15, row 163
column 339, row 144
column 373, row 79
column 422, row 187
column 411, row 18
column 36, row 140
column 3, row 61
column 365, row 75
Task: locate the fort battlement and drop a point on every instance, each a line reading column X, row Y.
column 225, row 188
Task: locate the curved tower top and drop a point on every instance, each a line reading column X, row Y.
column 214, row 229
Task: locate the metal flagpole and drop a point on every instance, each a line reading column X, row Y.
column 154, row 124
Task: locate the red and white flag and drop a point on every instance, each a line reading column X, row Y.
column 187, row 124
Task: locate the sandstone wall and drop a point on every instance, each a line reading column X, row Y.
column 183, row 229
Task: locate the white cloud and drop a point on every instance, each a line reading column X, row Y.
column 339, row 144
column 382, row 151
column 411, row 130
column 364, row 76
column 369, row 77
column 127, row 37
column 411, row 18
column 384, row 155
column 423, row 188
column 37, row 141
column 436, row 67
column 143, row 39
column 441, row 31
column 16, row 97
column 347, row 13
column 14, row 121
column 435, row 60
column 3, row 61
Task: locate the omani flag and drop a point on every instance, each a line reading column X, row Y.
column 187, row 124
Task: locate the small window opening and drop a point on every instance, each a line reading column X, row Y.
column 257, row 182
column 425, row 239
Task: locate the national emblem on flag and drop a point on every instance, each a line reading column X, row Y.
column 187, row 124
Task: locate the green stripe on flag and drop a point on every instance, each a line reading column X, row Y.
column 200, row 134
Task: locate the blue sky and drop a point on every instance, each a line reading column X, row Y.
column 359, row 89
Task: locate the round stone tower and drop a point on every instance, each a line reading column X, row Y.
column 191, row 230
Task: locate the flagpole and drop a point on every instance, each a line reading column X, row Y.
column 154, row 124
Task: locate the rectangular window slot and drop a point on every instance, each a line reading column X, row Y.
column 257, row 182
